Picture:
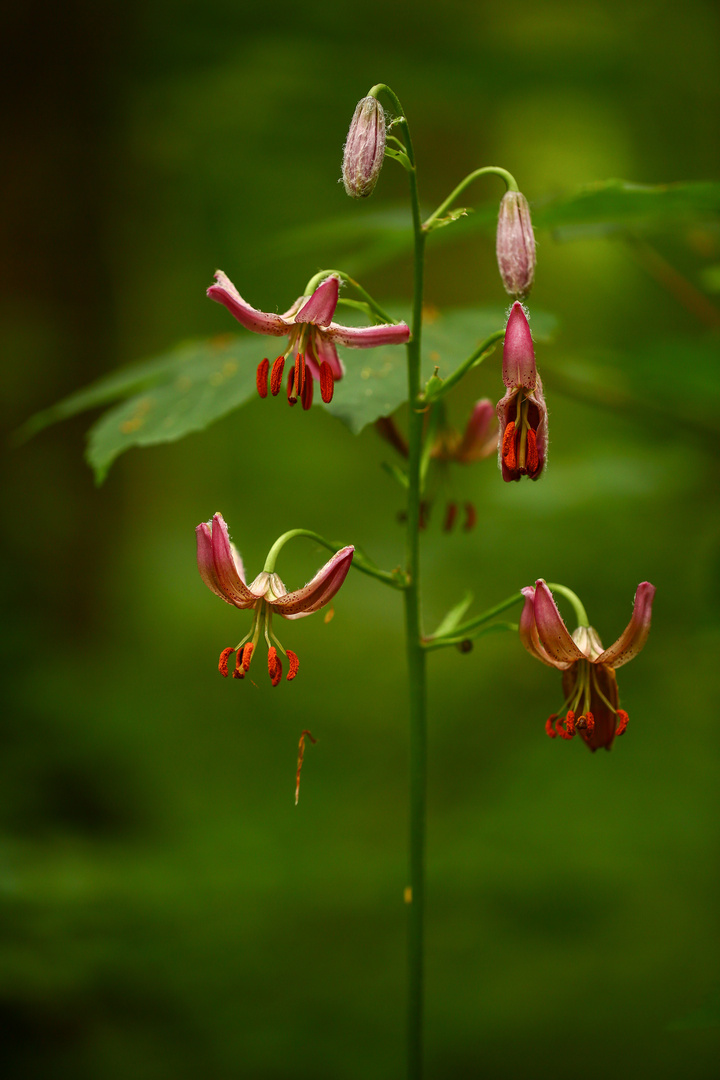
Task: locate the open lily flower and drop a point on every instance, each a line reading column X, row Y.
column 522, row 412
column 312, row 337
column 589, row 682
column 222, row 571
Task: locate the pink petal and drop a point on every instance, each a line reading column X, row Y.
column 367, row 337
column 325, row 350
column 552, row 632
column 233, row 588
column 206, row 563
column 635, row 634
column 260, row 322
column 478, row 441
column 319, row 591
column 320, row 308
column 518, row 353
column 529, row 634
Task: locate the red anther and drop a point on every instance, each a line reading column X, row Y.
column 307, row 394
column 568, row 730
column 509, row 458
column 247, row 655
column 590, row 723
column 291, row 391
column 327, row 382
column 276, row 376
column 298, row 374
column 531, row 453
column 274, row 666
column 294, row 664
column 301, row 755
column 450, row 515
column 470, row 517
column 623, row 721
column 223, row 662
column 238, row 673
column 549, row 729
column 262, row 377
column 424, row 516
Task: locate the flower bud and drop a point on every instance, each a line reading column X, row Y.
column 515, row 244
column 364, row 149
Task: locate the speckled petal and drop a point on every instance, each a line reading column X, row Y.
column 635, row 634
column 319, row 591
column 552, row 632
column 260, row 322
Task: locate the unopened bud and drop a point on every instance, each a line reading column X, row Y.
column 515, row 244
column 364, row 149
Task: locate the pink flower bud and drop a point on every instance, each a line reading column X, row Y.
column 515, row 244
column 364, row 149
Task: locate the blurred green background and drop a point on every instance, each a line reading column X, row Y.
column 165, row 910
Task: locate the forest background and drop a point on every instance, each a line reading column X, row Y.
column 165, row 911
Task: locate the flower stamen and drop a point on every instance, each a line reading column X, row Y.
column 509, row 457
column 549, row 728
column 623, row 718
column 301, row 755
column 276, row 376
column 262, row 377
column 223, row 662
column 274, row 666
column 327, row 382
column 450, row 515
column 291, row 387
column 307, row 393
column 470, row 517
column 293, row 663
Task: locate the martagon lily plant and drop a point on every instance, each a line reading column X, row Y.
column 516, row 428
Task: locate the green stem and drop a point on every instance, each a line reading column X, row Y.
column 580, row 611
column 318, row 278
column 487, row 170
column 485, row 349
column 396, row 579
column 415, row 651
column 465, row 629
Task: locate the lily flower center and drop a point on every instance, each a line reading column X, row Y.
column 519, row 444
column 585, row 694
column 301, row 346
column 261, row 625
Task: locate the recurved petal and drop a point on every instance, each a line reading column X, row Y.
column 260, row 322
column 206, row 563
column 319, row 591
column 518, row 353
column 635, row 634
column 552, row 632
column 233, row 588
column 320, row 308
column 529, row 634
column 368, row 337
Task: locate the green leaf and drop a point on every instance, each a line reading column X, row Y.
column 202, row 383
column 376, row 381
column 197, row 383
column 365, row 240
column 453, row 617
column 453, row 215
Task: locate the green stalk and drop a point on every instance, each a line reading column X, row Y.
column 413, row 629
